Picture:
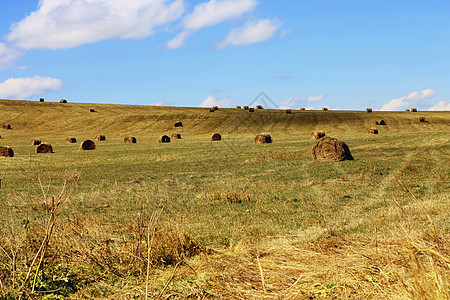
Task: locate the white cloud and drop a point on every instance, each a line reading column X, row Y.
column 404, row 102
column 7, row 54
column 69, row 23
column 252, row 32
column 215, row 12
column 178, row 41
column 211, row 101
column 295, row 102
column 441, row 106
column 21, row 88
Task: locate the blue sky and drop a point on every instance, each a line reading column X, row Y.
column 343, row 54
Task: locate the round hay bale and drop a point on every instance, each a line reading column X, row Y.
column 100, row 137
column 212, row 109
column 373, row 131
column 91, row 109
column 369, row 110
column 330, row 149
column 178, row 124
column 259, row 107
column 35, row 142
column 380, row 122
column 324, row 108
column 130, row 140
column 238, row 106
column 175, row 136
column 245, row 107
column 41, row 99
column 216, row 107
column 87, row 145
column 288, row 111
column 422, row 119
column 302, row 108
column 216, row 137
column 413, row 109
column 315, row 135
column 63, row 101
column 164, row 139
column 44, row 148
column 7, row 126
column 6, row 151
column 407, row 109
column 71, row 140
column 263, row 138
column 251, row 109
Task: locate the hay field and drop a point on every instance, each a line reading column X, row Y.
column 228, row 220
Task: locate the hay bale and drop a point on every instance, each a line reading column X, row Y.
column 212, row 109
column 263, row 138
column 245, row 107
column 330, row 149
column 302, row 108
column 130, row 140
column 164, row 139
column 178, row 124
column 251, row 109
column 6, row 151
column 373, row 131
column 369, row 110
column 238, row 106
column 44, row 148
column 288, row 111
column 71, row 140
column 259, row 107
column 91, row 109
column 422, row 119
column 216, row 137
column 215, row 107
column 87, row 145
column 413, row 109
column 315, row 135
column 63, row 101
column 175, row 136
column 380, row 122
column 324, row 108
column 7, row 126
column 41, row 99
column 35, row 142
column 407, row 109
column 100, row 137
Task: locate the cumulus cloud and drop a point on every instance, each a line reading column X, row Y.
column 60, row 24
column 211, row 101
column 294, row 102
column 404, row 102
column 252, row 32
column 441, row 106
column 178, row 41
column 21, row 88
column 7, row 54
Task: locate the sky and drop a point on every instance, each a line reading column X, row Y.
column 340, row 54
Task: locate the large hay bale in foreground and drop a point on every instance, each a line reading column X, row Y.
column 330, row 149
column 87, row 145
column 100, row 137
column 178, row 124
column 63, row 101
column 263, row 138
column 7, row 126
column 369, row 110
column 44, row 148
column 373, row 131
column 175, row 136
column 164, row 139
column 315, row 135
column 35, row 142
column 216, row 137
column 380, row 122
column 130, row 140
column 6, row 151
column 71, row 140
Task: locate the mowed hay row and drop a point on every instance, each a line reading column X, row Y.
column 315, row 135
column 331, row 149
column 164, row 139
column 175, row 136
column 373, row 131
column 71, row 140
column 87, row 145
column 44, row 148
column 100, row 137
column 35, row 142
column 263, row 138
column 216, row 137
column 6, row 151
column 129, row 140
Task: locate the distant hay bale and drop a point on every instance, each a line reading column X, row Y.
column 246, row 108
column 212, row 109
column 215, row 107
column 178, row 124
column 6, row 151
column 129, row 140
column 413, row 109
column 100, row 137
column 330, row 149
column 407, row 109
column 369, row 110
column 373, row 131
column 324, row 108
column 87, row 145
column 238, row 106
column 35, row 142
column 44, row 148
column 302, row 108
column 164, row 139
column 422, row 119
column 175, row 136
column 63, row 101
column 288, row 111
column 259, row 107
column 71, row 140
column 380, row 122
column 41, row 99
column 251, row 109
column 315, row 135
column 91, row 109
column 7, row 126
column 216, row 137
column 263, row 138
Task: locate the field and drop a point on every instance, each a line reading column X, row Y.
column 229, row 219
